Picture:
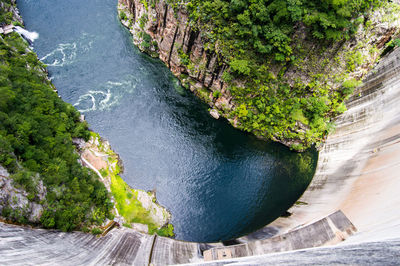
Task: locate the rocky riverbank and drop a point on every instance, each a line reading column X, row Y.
column 357, row 172
column 133, row 208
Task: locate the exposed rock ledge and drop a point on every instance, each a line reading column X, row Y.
column 98, row 156
column 357, row 172
column 371, row 119
column 15, row 199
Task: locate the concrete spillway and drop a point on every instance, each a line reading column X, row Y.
column 357, row 173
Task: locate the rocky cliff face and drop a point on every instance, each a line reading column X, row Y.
column 16, row 203
column 161, row 31
column 12, row 8
column 364, row 150
column 167, row 32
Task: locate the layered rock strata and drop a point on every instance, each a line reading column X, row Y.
column 171, row 36
column 357, row 172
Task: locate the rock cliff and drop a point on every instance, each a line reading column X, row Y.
column 16, row 203
column 165, row 30
column 161, row 31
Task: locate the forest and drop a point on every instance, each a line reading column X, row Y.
column 254, row 38
column 36, row 132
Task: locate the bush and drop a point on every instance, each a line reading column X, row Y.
column 122, row 15
column 166, row 231
column 96, row 231
column 240, row 66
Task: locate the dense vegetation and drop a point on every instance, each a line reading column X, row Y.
column 36, row 131
column 6, row 15
column 258, row 41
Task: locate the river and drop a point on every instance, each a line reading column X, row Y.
column 217, row 182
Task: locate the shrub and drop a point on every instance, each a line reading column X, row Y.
column 96, row 231
column 122, row 15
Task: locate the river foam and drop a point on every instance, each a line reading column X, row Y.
column 30, row 36
column 105, row 97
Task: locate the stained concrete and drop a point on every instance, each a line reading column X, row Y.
column 368, row 253
column 330, row 230
column 124, row 246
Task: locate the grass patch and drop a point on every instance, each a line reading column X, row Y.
column 126, row 198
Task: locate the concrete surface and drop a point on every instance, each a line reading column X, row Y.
column 330, row 230
column 368, row 253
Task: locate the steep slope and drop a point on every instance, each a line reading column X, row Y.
column 357, row 173
column 358, row 165
column 44, row 146
column 42, row 180
column 292, row 102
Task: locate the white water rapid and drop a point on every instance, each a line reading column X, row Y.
column 30, row 36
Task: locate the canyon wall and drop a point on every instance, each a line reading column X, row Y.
column 166, row 31
column 365, row 134
column 357, row 173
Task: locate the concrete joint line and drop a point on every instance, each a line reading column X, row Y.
column 151, row 250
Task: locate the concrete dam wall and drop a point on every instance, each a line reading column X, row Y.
column 125, row 246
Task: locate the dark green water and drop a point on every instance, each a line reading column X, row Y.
column 217, row 182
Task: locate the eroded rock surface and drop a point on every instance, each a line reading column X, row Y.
column 14, row 202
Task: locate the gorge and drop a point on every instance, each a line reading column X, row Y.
column 377, row 234
column 203, row 171
column 356, row 170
